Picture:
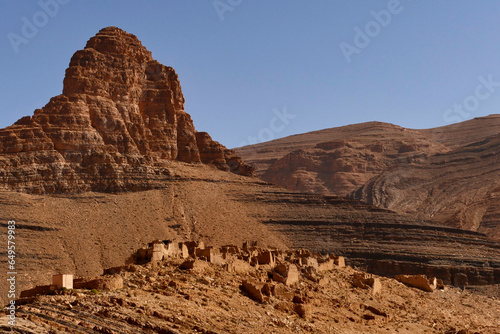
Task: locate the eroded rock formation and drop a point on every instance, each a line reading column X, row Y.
column 115, row 127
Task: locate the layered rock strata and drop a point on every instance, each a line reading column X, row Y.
column 449, row 174
column 118, row 122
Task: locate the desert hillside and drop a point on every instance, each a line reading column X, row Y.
column 448, row 174
column 85, row 233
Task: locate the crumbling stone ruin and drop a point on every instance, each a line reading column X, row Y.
column 186, row 287
column 366, row 281
column 267, row 272
column 158, row 250
column 64, row 283
column 267, row 276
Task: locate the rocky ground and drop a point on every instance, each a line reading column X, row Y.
column 162, row 298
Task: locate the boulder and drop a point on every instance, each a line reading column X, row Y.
column 418, row 281
column 303, row 310
column 460, row 280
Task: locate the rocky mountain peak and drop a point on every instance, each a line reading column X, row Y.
column 113, row 40
column 118, row 122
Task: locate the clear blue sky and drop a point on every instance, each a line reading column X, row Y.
column 269, row 56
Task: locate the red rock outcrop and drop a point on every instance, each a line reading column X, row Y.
column 118, row 122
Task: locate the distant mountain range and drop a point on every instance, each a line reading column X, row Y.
column 449, row 174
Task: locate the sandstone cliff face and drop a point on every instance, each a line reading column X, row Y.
column 116, row 126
